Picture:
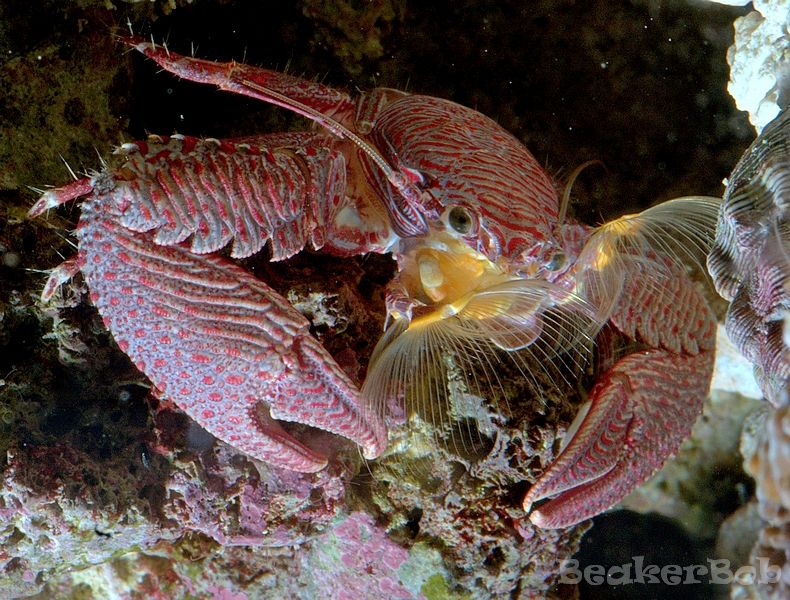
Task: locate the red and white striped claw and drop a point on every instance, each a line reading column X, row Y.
column 640, row 410
column 225, row 347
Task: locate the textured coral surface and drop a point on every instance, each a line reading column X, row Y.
column 760, row 61
column 749, row 264
column 110, row 492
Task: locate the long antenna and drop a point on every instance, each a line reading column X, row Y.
column 566, row 194
column 400, row 181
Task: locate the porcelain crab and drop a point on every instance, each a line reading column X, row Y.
column 487, row 261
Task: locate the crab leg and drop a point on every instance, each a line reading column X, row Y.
column 336, row 111
column 641, row 409
column 281, row 89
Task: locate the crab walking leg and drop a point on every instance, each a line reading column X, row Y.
column 277, row 88
column 641, row 409
column 346, row 118
column 218, row 341
column 284, row 188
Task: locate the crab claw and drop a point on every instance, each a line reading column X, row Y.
column 640, row 413
column 226, row 348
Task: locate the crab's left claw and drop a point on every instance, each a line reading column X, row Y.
column 641, row 409
column 228, row 349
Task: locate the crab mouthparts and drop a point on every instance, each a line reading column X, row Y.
column 444, row 270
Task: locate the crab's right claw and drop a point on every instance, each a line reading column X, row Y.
column 226, row 348
column 641, row 411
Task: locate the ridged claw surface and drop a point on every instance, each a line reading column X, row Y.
column 642, row 408
column 218, row 341
column 224, row 346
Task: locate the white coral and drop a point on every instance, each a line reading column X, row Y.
column 760, row 61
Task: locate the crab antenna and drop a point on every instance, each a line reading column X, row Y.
column 395, row 178
column 566, row 194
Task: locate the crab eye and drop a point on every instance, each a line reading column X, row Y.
column 557, row 261
column 460, row 219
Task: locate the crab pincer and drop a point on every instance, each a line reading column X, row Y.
column 225, row 347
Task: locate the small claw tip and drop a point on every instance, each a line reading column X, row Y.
column 52, row 285
column 136, row 42
column 314, row 466
column 48, row 200
column 371, row 452
column 61, row 195
column 48, row 292
column 538, row 519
